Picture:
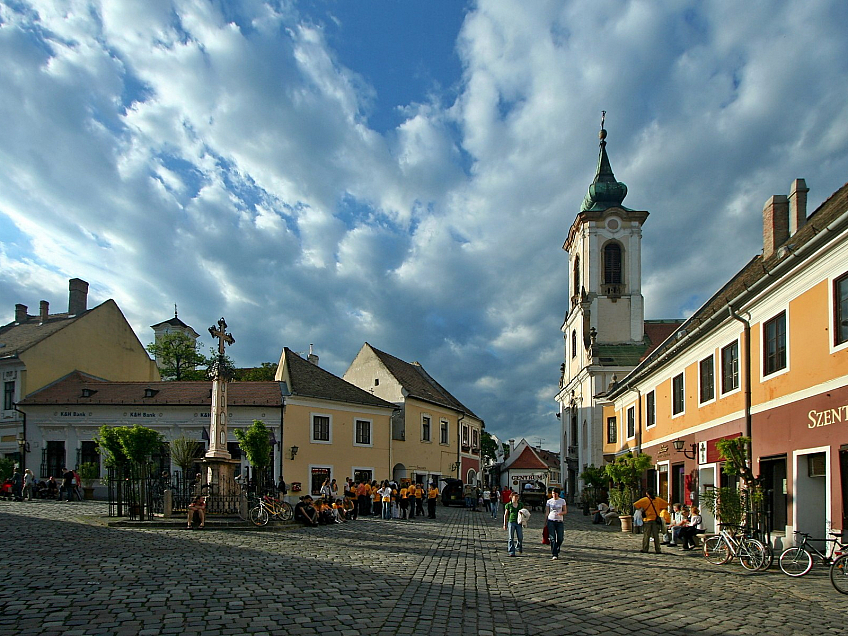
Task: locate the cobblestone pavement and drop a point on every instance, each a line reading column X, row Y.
column 67, row 572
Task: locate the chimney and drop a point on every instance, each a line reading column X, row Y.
column 312, row 357
column 797, row 205
column 512, row 444
column 77, row 296
column 20, row 313
column 43, row 310
column 775, row 223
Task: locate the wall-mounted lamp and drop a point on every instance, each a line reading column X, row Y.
column 293, row 450
column 678, row 446
column 454, row 466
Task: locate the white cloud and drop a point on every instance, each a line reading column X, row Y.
column 219, row 156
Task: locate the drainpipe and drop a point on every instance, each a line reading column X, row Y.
column 747, row 332
column 24, row 445
column 459, row 446
column 282, row 446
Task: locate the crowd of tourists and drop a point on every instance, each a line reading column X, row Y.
column 24, row 486
column 340, row 503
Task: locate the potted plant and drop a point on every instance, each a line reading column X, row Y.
column 595, row 480
column 89, row 472
column 626, row 473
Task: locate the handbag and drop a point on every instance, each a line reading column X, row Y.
column 545, row 537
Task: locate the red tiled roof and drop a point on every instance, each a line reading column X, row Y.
column 657, row 331
column 528, row 459
column 71, row 390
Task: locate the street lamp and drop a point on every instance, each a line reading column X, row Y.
column 678, row 446
column 23, row 448
column 293, row 450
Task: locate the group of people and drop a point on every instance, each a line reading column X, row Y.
column 346, row 502
column 25, row 486
column 681, row 524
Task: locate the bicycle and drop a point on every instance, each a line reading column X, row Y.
column 270, row 508
column 839, row 573
column 722, row 547
column 798, row 560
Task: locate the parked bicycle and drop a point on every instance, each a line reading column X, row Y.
column 839, row 573
column 270, row 508
column 798, row 560
column 728, row 544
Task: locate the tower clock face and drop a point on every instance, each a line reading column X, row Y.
column 613, row 224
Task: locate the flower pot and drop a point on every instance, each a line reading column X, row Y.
column 88, row 493
column 626, row 523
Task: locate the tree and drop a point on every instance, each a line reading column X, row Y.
column 734, row 452
column 263, row 373
column 256, row 445
column 184, row 451
column 594, row 477
column 505, row 449
column 488, row 447
column 109, row 445
column 139, row 442
column 626, row 472
column 178, row 357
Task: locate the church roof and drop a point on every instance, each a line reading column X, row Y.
column 177, row 323
column 605, row 192
column 631, row 354
column 82, row 389
column 309, row 380
column 418, row 383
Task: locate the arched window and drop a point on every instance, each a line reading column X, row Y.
column 612, row 264
column 575, row 288
column 574, row 343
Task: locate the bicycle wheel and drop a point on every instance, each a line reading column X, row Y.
column 286, row 511
column 715, row 550
column 768, row 557
column 752, row 554
column 795, row 561
column 839, row 574
column 258, row 516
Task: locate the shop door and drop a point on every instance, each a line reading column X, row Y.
column 773, row 473
column 843, row 471
column 677, row 483
column 662, row 482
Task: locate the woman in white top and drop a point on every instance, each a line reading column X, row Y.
column 695, row 526
column 555, row 509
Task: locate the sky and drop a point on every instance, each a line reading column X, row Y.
column 402, row 173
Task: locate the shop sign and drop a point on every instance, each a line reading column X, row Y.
column 827, row 417
column 711, row 450
column 529, row 477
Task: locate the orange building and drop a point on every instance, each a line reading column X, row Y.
column 766, row 357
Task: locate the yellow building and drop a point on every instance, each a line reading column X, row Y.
column 331, row 428
column 765, row 357
column 37, row 350
column 433, row 434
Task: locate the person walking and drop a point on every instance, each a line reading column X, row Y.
column 512, row 523
column 432, row 496
column 17, row 485
column 67, row 485
column 28, row 481
column 386, row 496
column 650, row 505
column 556, row 509
column 495, row 496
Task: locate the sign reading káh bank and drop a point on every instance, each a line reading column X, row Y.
column 827, row 417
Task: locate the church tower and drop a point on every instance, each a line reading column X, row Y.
column 604, row 327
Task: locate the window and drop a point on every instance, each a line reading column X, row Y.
column 318, row 474
column 774, row 338
column 425, row 428
column 677, row 396
column 475, row 438
column 574, row 343
column 465, row 442
column 8, row 395
column 707, row 369
column 88, row 455
column 575, row 288
column 612, row 264
column 321, row 428
column 631, row 422
column 840, row 307
column 444, row 432
column 363, row 432
column 612, row 437
column 650, row 409
column 730, row 367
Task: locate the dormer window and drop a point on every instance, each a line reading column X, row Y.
column 149, row 393
column 88, row 393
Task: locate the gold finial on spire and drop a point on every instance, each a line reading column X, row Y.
column 603, row 134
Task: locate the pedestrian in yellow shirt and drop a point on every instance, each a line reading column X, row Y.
column 432, row 495
column 651, row 506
